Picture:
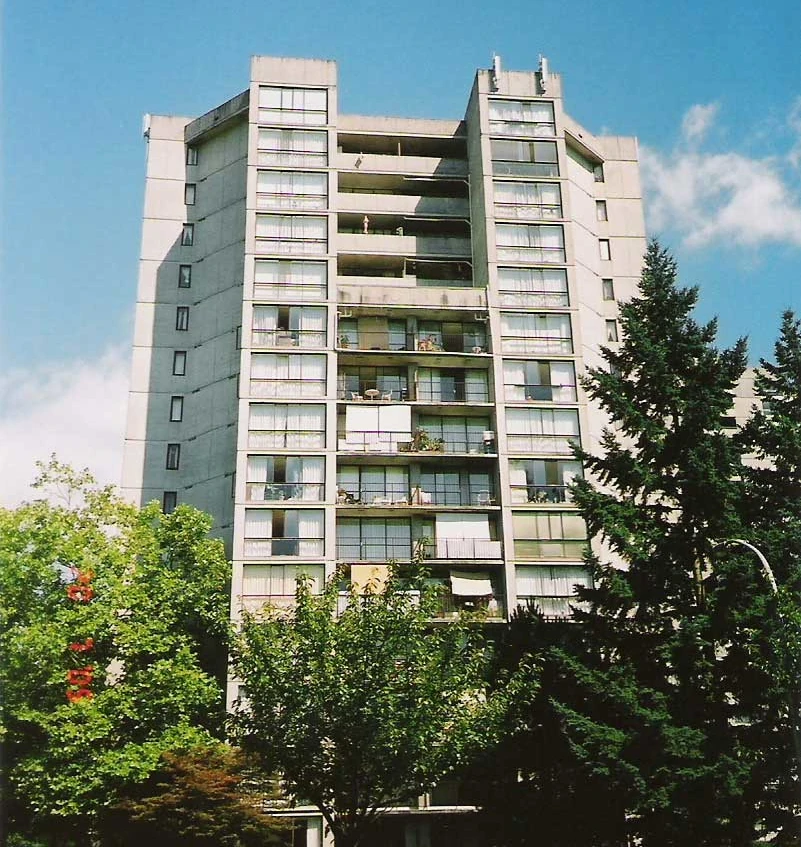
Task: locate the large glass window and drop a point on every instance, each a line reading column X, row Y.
column 382, row 486
column 524, row 158
column 278, row 279
column 356, row 383
column 303, row 106
column 279, row 426
column 521, row 117
column 374, row 539
column 277, row 583
column 530, row 243
column 551, row 588
column 452, row 385
column 285, row 478
column 548, row 535
column 458, row 435
column 289, row 326
column 291, row 190
column 292, row 234
column 283, row 532
column 541, row 480
column 541, row 430
column 454, row 488
column 539, row 380
column 275, row 375
column 293, row 147
column 533, row 288
column 527, row 200
column 530, row 332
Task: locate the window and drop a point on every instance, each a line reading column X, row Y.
column 184, row 276
column 373, row 485
column 452, row 385
column 524, row 158
column 598, row 172
column 182, row 318
column 530, row 243
column 374, row 539
column 459, row 435
column 293, row 376
column 289, row 326
column 536, row 288
column 551, row 587
column 608, row 289
column 530, row 332
column 291, row 234
column 173, row 457
column 291, row 190
column 283, row 532
column 600, row 210
column 188, row 235
column 541, row 480
column 280, row 426
column 539, row 380
column 542, row 430
column 611, row 331
column 356, row 381
column 548, row 535
column 293, row 147
column 169, row 501
column 191, row 155
column 280, row 581
column 304, row 106
column 179, row 363
column 284, row 280
column 190, row 190
column 527, row 200
column 296, row 478
column 176, row 408
column 521, row 117
column 604, row 249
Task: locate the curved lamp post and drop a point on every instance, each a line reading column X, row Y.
column 795, row 697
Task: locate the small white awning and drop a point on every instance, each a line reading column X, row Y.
column 471, row 584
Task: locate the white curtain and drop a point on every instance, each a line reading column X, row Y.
column 514, row 378
column 310, row 532
column 563, row 380
column 258, row 523
column 476, row 389
column 291, row 227
column 305, row 427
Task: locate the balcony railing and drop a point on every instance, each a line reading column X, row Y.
column 287, row 388
column 304, row 202
column 549, row 548
column 258, row 548
column 306, row 338
column 537, row 345
column 449, row 605
column 540, row 493
column 256, row 602
column 289, row 291
column 291, row 246
column 363, row 441
column 508, row 168
column 523, row 129
column 540, row 255
column 462, row 548
column 452, row 392
column 519, row 392
column 297, row 491
column 282, row 439
column 293, row 158
column 404, row 495
column 535, row 299
column 468, row 342
column 382, row 550
column 530, row 212
column 562, row 444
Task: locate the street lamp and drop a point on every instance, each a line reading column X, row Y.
column 795, row 697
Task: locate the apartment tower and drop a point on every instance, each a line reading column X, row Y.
column 357, row 337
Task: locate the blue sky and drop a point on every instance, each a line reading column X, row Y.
column 712, row 90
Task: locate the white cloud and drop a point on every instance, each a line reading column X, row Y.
column 75, row 409
column 698, row 120
column 718, row 198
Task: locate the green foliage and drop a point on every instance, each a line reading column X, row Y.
column 202, row 797
column 365, row 708
column 158, row 623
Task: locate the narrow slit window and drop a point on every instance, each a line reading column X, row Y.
column 611, row 331
column 608, row 289
column 188, row 235
column 182, row 318
column 190, row 191
column 601, row 211
column 184, row 276
column 179, row 363
column 604, row 249
column 176, row 408
column 169, row 501
column 173, row 457
column 191, row 155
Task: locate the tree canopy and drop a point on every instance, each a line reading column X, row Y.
column 362, row 707
column 114, row 621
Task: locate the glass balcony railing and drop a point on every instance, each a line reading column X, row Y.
column 283, row 439
column 404, row 495
column 536, row 493
column 561, row 445
column 304, row 338
column 287, row 388
column 258, row 548
column 535, row 299
column 469, row 341
column 384, row 549
column 519, row 392
column 386, row 441
column 258, row 492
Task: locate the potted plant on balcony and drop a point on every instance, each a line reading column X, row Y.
column 422, row 442
column 344, row 340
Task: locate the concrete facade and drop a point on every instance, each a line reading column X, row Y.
column 359, row 335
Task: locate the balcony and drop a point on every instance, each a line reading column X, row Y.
column 538, row 346
column 288, row 388
column 402, row 204
column 462, row 548
column 525, row 392
column 459, row 338
column 536, row 493
column 400, row 549
column 385, row 441
column 286, row 439
column 558, row 444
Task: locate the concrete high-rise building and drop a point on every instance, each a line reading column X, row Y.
column 356, row 335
